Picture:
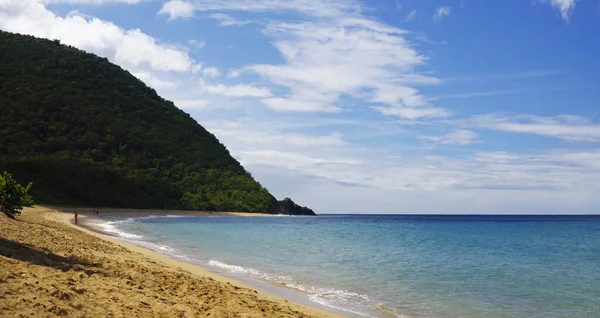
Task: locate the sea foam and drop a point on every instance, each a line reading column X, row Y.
column 330, row 297
column 111, row 227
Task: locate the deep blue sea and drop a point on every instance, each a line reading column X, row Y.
column 393, row 266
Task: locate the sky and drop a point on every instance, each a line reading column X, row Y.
column 347, row 106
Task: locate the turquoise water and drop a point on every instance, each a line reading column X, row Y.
column 420, row 266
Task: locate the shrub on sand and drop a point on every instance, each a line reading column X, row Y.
column 13, row 196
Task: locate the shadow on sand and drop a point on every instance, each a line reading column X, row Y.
column 22, row 252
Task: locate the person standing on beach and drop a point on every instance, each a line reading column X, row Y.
column 76, row 215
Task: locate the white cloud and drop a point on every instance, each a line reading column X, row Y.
column 440, row 13
column 132, row 49
column 240, row 90
column 457, row 137
column 566, row 127
column 177, row 9
column 565, row 7
column 211, row 72
column 227, row 20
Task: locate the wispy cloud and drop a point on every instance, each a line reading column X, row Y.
column 565, row 7
column 271, row 138
column 323, row 62
column 414, row 113
column 315, row 8
column 565, row 127
column 440, row 13
column 191, row 104
column 239, row 90
column 410, row 16
column 227, row 20
column 484, row 94
column 456, row 137
column 197, row 44
column 292, row 105
column 531, row 74
column 511, row 92
column 332, row 158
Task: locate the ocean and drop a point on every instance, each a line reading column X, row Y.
column 396, row 265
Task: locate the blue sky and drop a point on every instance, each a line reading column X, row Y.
column 398, row 106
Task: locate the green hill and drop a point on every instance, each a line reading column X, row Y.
column 87, row 132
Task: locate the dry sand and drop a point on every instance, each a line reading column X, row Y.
column 49, row 267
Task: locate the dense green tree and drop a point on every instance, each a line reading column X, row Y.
column 13, row 196
column 87, row 132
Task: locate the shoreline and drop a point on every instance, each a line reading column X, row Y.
column 51, row 267
column 149, row 212
column 90, row 224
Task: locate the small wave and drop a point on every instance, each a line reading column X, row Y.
column 331, row 297
column 161, row 248
column 137, row 239
column 111, row 228
column 162, row 216
column 255, row 273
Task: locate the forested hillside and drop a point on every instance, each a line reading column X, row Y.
column 87, row 132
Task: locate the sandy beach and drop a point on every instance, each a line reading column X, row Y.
column 139, row 213
column 50, row 267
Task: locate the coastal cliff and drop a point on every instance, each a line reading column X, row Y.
column 289, row 207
